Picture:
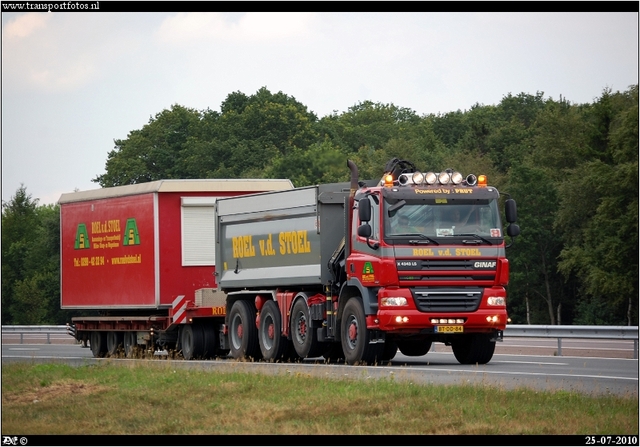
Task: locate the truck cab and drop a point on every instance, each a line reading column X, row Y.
column 428, row 259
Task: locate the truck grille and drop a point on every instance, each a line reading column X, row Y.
column 441, row 299
column 446, row 270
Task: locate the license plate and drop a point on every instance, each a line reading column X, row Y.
column 448, row 329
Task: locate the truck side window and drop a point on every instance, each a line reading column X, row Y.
column 375, row 218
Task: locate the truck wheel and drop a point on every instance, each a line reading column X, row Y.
column 243, row 334
column 114, row 342
column 98, row 343
column 333, row 352
column 355, row 335
column 414, row 348
column 473, row 348
column 192, row 341
column 130, row 343
column 304, row 338
column 389, row 351
column 272, row 344
column 210, row 341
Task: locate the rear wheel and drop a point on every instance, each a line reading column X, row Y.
column 333, row 352
column 130, row 343
column 192, row 341
column 243, row 334
column 114, row 342
column 473, row 348
column 355, row 335
column 414, row 348
column 98, row 341
column 303, row 336
column 272, row 344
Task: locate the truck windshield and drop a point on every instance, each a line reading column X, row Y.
column 406, row 218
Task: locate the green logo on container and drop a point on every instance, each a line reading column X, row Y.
column 131, row 236
column 367, row 269
column 82, row 238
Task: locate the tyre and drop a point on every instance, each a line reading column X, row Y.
column 473, row 348
column 192, row 341
column 414, row 348
column 272, row 344
column 389, row 351
column 114, row 342
column 130, row 343
column 210, row 346
column 98, row 341
column 356, row 336
column 333, row 352
column 243, row 334
column 303, row 336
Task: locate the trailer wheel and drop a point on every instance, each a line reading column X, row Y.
column 210, row 341
column 414, row 348
column 473, row 348
column 243, row 334
column 355, row 335
column 130, row 343
column 114, row 342
column 98, row 343
column 304, row 338
column 192, row 341
column 272, row 344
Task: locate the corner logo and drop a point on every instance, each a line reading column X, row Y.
column 131, row 235
column 82, row 238
column 367, row 273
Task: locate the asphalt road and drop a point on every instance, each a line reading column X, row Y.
column 538, row 369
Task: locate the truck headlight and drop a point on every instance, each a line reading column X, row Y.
column 393, row 301
column 496, row 301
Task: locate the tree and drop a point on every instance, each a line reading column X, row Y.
column 19, row 221
column 599, row 216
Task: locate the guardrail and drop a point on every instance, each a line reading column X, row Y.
column 31, row 330
column 570, row 331
column 512, row 330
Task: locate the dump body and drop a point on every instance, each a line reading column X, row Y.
column 279, row 239
column 138, row 247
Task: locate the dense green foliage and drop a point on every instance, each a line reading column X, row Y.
column 572, row 168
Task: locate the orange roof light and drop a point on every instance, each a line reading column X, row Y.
column 388, row 180
column 482, row 181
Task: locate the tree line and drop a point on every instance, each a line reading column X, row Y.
column 572, row 168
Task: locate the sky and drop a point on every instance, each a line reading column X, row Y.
column 72, row 83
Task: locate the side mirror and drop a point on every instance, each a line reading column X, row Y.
column 511, row 210
column 364, row 230
column 364, row 209
column 513, row 230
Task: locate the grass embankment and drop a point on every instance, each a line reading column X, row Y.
column 50, row 399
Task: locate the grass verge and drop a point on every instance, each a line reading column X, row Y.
column 57, row 399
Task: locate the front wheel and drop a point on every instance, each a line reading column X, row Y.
column 414, row 348
column 473, row 348
column 355, row 335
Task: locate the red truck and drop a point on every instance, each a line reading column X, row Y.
column 140, row 260
column 358, row 270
